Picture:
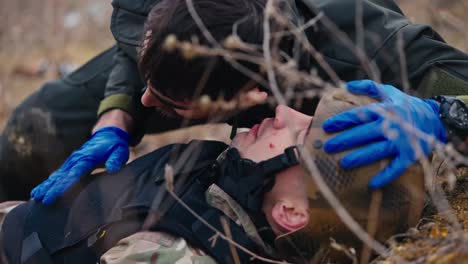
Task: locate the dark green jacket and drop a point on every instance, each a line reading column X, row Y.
column 433, row 67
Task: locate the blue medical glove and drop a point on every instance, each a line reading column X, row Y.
column 108, row 144
column 379, row 135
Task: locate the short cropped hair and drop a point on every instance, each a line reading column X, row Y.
column 177, row 77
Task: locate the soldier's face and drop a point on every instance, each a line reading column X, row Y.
column 273, row 135
column 286, row 204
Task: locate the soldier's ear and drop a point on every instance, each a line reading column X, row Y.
column 289, row 216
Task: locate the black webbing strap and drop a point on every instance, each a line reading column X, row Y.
column 289, row 158
column 33, row 252
column 233, row 129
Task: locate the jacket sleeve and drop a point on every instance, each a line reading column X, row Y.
column 414, row 52
column 123, row 91
column 124, row 83
column 432, row 67
column 125, row 87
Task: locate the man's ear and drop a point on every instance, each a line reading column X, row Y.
column 288, row 216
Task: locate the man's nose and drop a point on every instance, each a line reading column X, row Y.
column 148, row 100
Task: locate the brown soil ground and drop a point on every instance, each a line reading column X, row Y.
column 434, row 240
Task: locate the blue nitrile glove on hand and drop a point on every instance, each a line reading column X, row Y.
column 381, row 136
column 108, row 144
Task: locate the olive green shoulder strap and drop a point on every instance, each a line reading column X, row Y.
column 463, row 98
column 441, row 82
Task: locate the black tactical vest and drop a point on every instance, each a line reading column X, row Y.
column 103, row 208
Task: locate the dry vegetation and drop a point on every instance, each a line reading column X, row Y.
column 36, row 37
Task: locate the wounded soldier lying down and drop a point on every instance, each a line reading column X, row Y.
column 256, row 192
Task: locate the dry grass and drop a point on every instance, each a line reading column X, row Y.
column 32, row 33
column 433, row 240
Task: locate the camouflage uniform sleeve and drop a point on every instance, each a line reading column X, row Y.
column 154, row 247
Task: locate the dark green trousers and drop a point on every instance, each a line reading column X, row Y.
column 46, row 127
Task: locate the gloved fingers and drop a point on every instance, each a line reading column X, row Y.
column 368, row 154
column 71, row 160
column 394, row 170
column 81, row 168
column 81, row 162
column 351, row 118
column 39, row 191
column 355, row 137
column 51, row 196
column 367, row 87
column 61, row 185
column 117, row 159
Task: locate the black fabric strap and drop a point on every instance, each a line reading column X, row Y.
column 289, row 158
column 263, row 228
column 234, row 128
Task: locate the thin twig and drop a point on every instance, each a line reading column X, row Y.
column 267, row 53
column 359, row 24
column 227, row 230
column 403, row 64
column 372, row 223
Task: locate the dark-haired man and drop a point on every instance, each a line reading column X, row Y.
column 111, row 85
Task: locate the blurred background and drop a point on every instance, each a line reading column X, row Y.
column 40, row 40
